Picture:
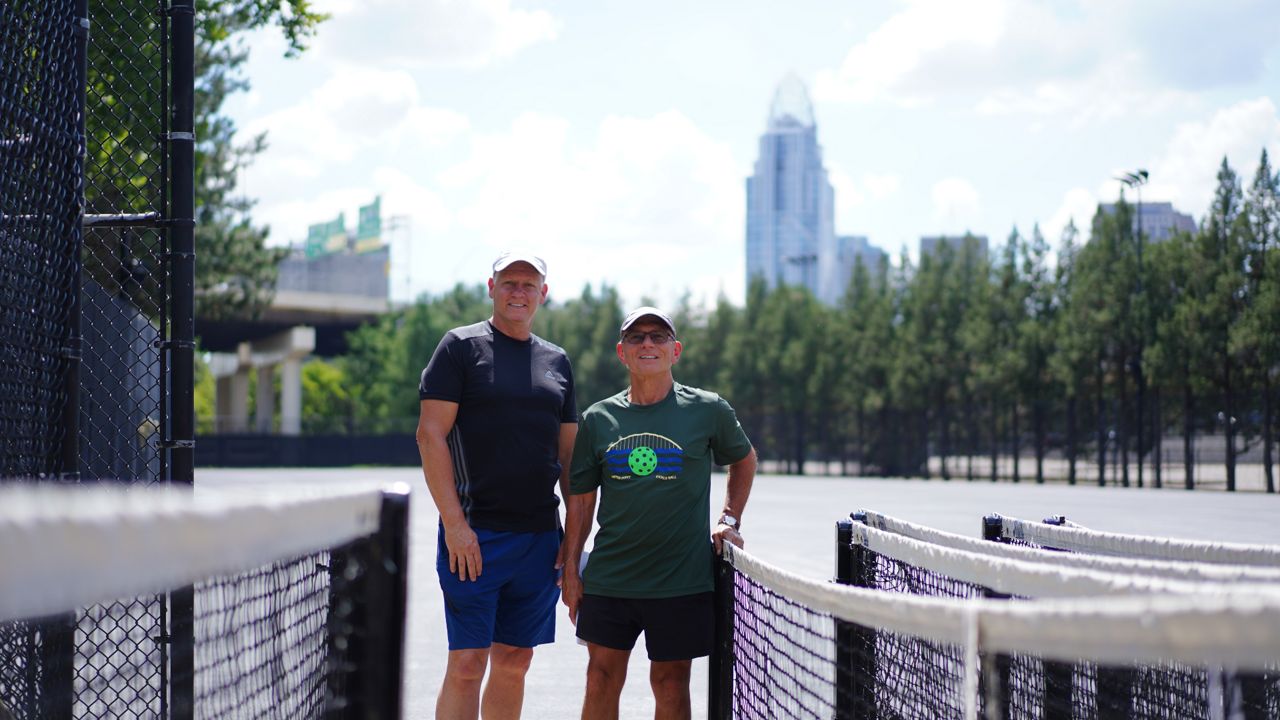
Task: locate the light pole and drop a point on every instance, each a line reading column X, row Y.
column 1135, row 180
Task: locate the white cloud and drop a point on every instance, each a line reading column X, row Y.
column 878, row 67
column 355, row 108
column 1082, row 60
column 1078, row 205
column 881, row 186
column 854, row 196
column 432, row 33
column 658, row 187
column 357, row 117
column 955, row 205
column 1186, row 173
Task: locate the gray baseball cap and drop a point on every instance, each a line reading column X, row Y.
column 646, row 311
column 514, row 256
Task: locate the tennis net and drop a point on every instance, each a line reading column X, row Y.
column 1062, row 535
column 297, row 600
column 1006, row 547
column 921, row 631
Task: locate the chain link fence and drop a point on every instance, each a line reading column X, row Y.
column 86, row 316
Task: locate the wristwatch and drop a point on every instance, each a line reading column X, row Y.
column 731, row 521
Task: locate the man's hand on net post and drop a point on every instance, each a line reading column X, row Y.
column 725, row 532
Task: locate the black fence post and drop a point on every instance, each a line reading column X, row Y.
column 720, row 666
column 855, row 644
column 181, row 342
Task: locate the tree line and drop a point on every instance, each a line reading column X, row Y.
column 1091, row 352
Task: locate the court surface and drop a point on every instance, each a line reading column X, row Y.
column 789, row 522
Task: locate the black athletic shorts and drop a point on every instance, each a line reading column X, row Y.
column 678, row 628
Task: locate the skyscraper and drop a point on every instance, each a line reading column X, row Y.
column 790, row 202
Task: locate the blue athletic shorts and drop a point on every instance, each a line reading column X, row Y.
column 513, row 602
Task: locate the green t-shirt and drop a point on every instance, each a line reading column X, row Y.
column 652, row 466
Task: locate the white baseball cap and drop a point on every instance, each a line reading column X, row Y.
column 514, row 256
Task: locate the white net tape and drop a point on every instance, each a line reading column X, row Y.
column 1030, row 579
column 1174, row 570
column 1238, row 630
column 1079, row 539
column 67, row 547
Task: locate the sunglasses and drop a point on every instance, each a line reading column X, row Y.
column 658, row 337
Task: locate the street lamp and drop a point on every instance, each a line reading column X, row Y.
column 1135, row 180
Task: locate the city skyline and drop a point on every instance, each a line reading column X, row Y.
column 616, row 140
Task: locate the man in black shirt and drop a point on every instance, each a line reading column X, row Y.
column 496, row 430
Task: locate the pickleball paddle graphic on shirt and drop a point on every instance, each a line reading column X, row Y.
column 644, row 455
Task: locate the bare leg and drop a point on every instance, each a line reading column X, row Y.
column 460, row 694
column 606, row 673
column 670, row 681
column 504, row 692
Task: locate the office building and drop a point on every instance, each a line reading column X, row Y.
column 848, row 250
column 1158, row 220
column 790, row 201
column 929, row 244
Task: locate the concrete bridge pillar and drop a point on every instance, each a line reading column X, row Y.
column 231, row 403
column 265, row 408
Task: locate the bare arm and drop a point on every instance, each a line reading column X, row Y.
column 578, row 520
column 568, row 433
column 435, row 420
column 741, row 475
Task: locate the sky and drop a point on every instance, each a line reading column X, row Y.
column 614, row 138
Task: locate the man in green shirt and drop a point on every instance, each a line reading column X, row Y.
column 648, row 451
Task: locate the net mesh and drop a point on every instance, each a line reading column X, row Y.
column 1253, row 695
column 262, row 648
column 300, row 636
column 1038, row 553
column 801, row 652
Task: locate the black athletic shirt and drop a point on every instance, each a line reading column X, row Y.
column 512, row 397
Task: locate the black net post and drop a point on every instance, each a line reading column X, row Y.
column 995, row 669
column 368, row 590
column 720, row 668
column 855, row 645
column 1055, row 701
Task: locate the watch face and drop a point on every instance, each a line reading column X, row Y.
column 729, row 520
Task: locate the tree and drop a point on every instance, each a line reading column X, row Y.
column 1036, row 339
column 1069, row 363
column 235, row 271
column 1217, row 291
column 587, row 328
column 1256, row 337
